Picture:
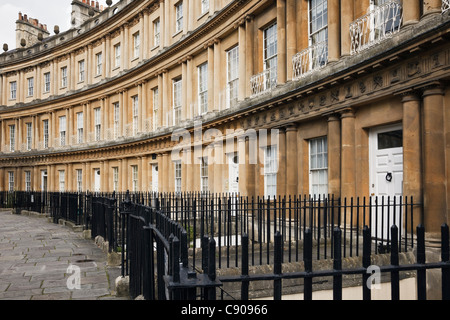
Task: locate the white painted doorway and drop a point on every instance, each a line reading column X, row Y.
column 233, row 173
column 44, row 184
column 154, row 177
column 97, row 180
column 386, row 178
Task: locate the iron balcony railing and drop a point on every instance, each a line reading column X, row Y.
column 378, row 25
column 445, row 6
column 263, row 81
column 309, row 60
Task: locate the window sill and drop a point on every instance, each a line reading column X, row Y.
column 203, row 15
column 177, row 33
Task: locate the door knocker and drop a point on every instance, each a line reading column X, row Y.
column 389, row 177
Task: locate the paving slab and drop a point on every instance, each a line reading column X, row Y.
column 40, row 260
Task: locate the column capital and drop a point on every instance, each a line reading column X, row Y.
column 347, row 113
column 291, row 127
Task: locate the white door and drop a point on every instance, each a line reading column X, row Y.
column 386, row 178
column 44, row 181
column 233, row 173
column 97, row 180
column 155, row 178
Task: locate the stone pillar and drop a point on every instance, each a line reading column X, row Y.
column 291, row 161
column 291, row 36
column 412, row 149
column 211, row 78
column 251, row 152
column 281, row 39
column 249, row 34
column 189, row 74
column 242, row 61
column 334, row 155
column 347, row 7
column 432, row 6
column 348, row 176
column 334, row 31
column 217, row 76
column 411, row 12
column 218, row 167
column 243, row 158
column 434, row 160
column 281, row 176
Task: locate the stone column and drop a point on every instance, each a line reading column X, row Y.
column 189, row 74
column 211, row 77
column 281, row 176
column 334, row 31
column 412, row 150
column 243, row 167
column 334, row 155
column 411, row 12
column 432, row 6
column 251, row 152
column 281, row 39
column 348, row 154
column 218, row 167
column 249, row 34
column 347, row 18
column 291, row 161
column 217, row 76
column 291, row 35
column 242, row 61
column 434, row 160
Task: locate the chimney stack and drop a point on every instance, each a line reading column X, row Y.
column 29, row 30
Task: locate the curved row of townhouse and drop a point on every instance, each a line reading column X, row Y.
column 260, row 97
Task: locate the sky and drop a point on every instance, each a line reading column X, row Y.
column 49, row 12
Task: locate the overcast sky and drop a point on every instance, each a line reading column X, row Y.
column 49, row 12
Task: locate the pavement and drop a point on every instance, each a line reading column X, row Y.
column 40, row 260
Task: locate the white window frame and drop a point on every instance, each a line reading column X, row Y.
column 63, row 77
column 157, row 32
column 62, row 130
column 62, row 181
column 204, row 175
column 81, row 71
column 80, row 127
column 27, row 181
column 10, row 181
column 30, row 86
column 232, row 75
column 116, row 119
column 155, row 107
column 203, row 88
column 99, row 63
column 45, row 129
column 13, row 90
column 135, row 111
column 29, row 129
column 115, row 179
column 135, row 178
column 46, row 82
column 177, row 86
column 79, row 180
column 315, row 36
column 318, row 166
column 270, row 171
column 270, row 54
column 12, row 138
column 136, row 44
column 205, row 6
column 98, row 123
column 179, row 17
column 117, row 55
column 177, row 175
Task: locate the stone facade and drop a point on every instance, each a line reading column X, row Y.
column 102, row 106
